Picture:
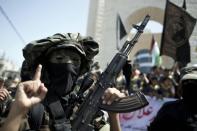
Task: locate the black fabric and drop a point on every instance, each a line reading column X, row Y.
column 62, row 77
column 120, row 27
column 183, row 53
column 174, row 116
column 60, row 122
column 120, row 31
column 127, row 72
column 189, row 88
column 35, row 116
column 178, row 26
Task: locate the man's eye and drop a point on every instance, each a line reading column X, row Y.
column 75, row 59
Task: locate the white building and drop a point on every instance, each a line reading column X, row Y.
column 7, row 68
column 102, row 25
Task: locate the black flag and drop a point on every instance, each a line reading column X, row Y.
column 178, row 26
column 184, row 4
column 120, row 31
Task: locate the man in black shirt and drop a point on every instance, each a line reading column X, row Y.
column 180, row 115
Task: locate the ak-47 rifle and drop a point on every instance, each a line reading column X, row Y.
column 92, row 103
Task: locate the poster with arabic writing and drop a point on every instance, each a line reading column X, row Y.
column 140, row 119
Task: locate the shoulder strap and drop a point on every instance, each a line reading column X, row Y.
column 35, row 116
column 57, row 114
column 60, row 122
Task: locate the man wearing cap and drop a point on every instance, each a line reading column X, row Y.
column 180, row 115
column 64, row 58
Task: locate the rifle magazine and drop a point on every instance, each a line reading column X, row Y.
column 127, row 104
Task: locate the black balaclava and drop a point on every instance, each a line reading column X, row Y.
column 62, row 77
column 189, row 94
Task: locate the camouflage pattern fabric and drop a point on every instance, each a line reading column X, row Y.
column 36, row 52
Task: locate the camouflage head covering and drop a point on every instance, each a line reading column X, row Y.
column 189, row 73
column 36, row 52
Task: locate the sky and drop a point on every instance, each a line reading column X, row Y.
column 36, row 19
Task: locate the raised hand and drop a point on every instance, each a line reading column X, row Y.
column 3, row 92
column 30, row 92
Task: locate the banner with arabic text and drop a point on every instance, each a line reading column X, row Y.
column 140, row 119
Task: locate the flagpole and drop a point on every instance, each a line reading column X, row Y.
column 117, row 32
column 164, row 23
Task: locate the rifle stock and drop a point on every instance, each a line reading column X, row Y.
column 90, row 106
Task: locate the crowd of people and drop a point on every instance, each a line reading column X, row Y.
column 180, row 115
column 158, row 82
column 53, row 72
